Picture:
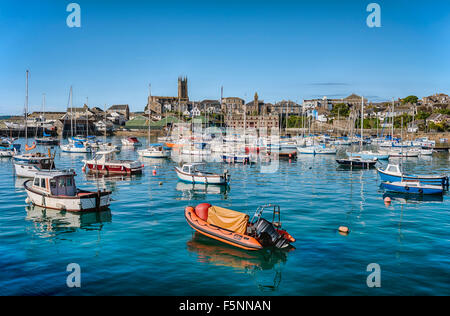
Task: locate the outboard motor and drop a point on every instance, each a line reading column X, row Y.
column 268, row 236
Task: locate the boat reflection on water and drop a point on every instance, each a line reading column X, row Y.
column 199, row 191
column 48, row 222
column 404, row 198
column 108, row 182
column 250, row 262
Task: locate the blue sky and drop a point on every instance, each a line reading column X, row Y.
column 281, row 49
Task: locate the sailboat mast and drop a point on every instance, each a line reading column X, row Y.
column 393, row 119
column 26, row 110
column 71, row 111
column 104, row 110
column 149, row 113
column 87, row 117
column 362, row 123
column 43, row 113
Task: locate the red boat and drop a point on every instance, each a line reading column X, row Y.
column 131, row 142
column 104, row 162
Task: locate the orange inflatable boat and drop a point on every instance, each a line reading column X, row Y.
column 234, row 228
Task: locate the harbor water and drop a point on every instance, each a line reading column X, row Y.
column 143, row 245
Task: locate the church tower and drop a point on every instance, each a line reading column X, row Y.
column 183, row 89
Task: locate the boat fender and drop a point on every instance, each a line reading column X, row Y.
column 202, row 210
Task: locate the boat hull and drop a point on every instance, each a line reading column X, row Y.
column 83, row 202
column 212, row 179
column 109, row 169
column 220, row 234
column 356, row 164
column 431, row 180
column 411, row 189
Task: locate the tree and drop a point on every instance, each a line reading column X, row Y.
column 340, row 109
column 410, row 99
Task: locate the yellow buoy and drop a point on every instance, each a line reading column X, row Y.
column 344, row 230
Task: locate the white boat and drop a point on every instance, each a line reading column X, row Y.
column 76, row 147
column 57, row 190
column 423, row 152
column 131, row 142
column 27, row 165
column 7, row 152
column 104, row 162
column 404, row 153
column 191, row 173
column 155, row 151
column 317, row 150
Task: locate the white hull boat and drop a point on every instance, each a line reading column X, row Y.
column 154, row 152
column 191, row 174
column 57, row 190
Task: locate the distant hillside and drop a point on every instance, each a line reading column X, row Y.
column 5, row 117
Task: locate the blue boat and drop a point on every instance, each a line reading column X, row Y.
column 392, row 173
column 413, row 187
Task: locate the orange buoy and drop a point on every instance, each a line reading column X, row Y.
column 344, row 230
column 154, row 172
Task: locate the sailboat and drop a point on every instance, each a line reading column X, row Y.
column 153, row 150
column 46, row 139
column 75, row 145
column 361, row 159
column 27, row 165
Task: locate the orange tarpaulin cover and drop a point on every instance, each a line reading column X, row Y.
column 231, row 220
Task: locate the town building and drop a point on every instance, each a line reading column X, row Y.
column 161, row 104
column 325, row 103
column 438, row 98
column 233, row 105
column 237, row 121
column 123, row 109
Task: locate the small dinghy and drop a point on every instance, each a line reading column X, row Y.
column 190, row 173
column 57, row 190
column 235, row 228
column 413, row 187
column 104, row 162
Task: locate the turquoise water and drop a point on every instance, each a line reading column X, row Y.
column 144, row 246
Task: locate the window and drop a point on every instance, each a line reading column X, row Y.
column 36, row 182
column 53, row 184
column 42, row 183
column 61, row 182
column 69, row 182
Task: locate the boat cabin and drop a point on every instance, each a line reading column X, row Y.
column 393, row 169
column 56, row 183
column 104, row 156
column 192, row 168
